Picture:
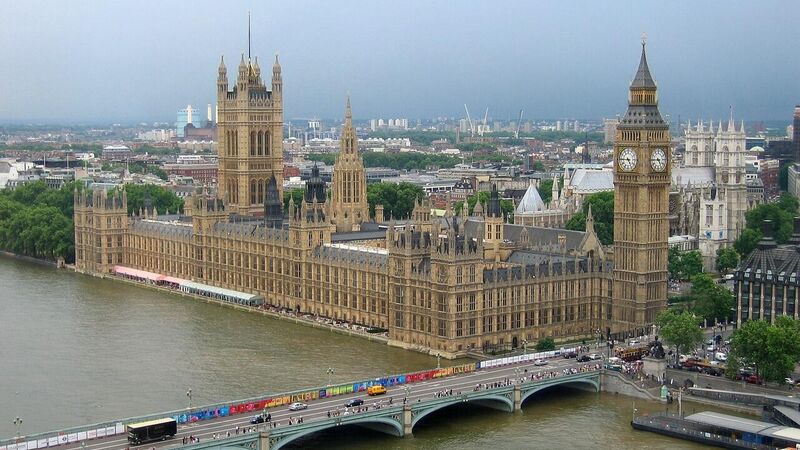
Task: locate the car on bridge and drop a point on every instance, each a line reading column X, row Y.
column 354, row 402
column 297, row 406
column 540, row 362
column 584, row 358
column 378, row 389
column 569, row 355
column 258, row 419
column 595, row 356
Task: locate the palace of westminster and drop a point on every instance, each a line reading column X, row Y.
column 438, row 284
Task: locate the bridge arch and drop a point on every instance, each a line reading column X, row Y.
column 386, row 425
column 493, row 401
column 579, row 383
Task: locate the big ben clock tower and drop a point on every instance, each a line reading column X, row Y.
column 642, row 167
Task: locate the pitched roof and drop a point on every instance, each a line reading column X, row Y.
column 531, row 201
column 584, row 180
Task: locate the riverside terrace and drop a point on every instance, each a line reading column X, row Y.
column 502, row 384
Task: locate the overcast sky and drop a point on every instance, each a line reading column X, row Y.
column 110, row 61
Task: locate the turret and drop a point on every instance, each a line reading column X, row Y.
column 222, row 78
column 277, row 81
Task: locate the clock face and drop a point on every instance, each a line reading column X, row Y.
column 627, row 159
column 658, row 160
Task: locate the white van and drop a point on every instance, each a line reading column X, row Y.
column 719, row 356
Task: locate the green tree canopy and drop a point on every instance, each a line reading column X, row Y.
column 538, row 166
column 773, row 350
column 162, row 199
column 546, row 190
column 295, row 194
column 727, row 259
column 36, row 221
column 781, row 213
column 711, row 300
column 602, row 204
column 397, row 199
column 747, row 241
column 679, row 329
column 546, row 344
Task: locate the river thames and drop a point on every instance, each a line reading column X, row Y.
column 78, row 350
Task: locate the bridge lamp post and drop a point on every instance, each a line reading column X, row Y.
column 189, row 396
column 525, row 347
column 18, row 423
column 330, row 374
column 438, row 360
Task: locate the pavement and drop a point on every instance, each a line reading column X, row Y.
column 318, row 409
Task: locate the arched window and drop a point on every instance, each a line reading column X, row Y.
column 266, row 143
column 260, row 143
column 252, row 191
column 260, row 191
column 252, row 143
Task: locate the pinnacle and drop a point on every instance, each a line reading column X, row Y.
column 643, row 77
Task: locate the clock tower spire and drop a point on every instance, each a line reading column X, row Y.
column 642, row 168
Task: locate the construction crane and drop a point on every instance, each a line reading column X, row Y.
column 519, row 123
column 469, row 120
column 482, row 129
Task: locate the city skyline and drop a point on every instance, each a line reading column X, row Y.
column 550, row 61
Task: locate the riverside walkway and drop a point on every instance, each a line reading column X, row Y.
column 503, row 384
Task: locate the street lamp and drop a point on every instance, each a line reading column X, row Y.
column 330, row 374
column 524, row 346
column 438, row 361
column 189, row 396
column 18, row 423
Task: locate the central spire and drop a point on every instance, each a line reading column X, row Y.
column 349, row 140
column 643, row 78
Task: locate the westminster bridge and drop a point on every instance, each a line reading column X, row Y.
column 503, row 384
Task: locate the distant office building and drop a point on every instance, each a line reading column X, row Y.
column 796, row 133
column 781, row 149
column 576, row 127
column 770, row 169
column 609, row 128
column 392, row 124
column 116, row 152
column 558, row 125
column 186, row 116
column 161, row 135
column 195, row 166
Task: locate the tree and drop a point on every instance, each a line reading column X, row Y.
column 162, row 199
column 773, row 350
column 397, row 199
column 538, row 166
column 747, row 241
column 711, row 300
column 602, row 204
column 546, row 344
column 674, row 266
column 679, row 329
column 691, row 264
column 546, row 190
column 294, row 194
column 727, row 259
column 781, row 213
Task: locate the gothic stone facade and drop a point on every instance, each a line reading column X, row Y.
column 443, row 285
